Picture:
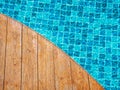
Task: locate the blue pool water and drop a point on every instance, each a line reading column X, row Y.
column 87, row 30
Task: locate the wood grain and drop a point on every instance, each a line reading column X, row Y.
column 29, row 59
column 94, row 85
column 13, row 56
column 79, row 77
column 30, row 62
column 3, row 32
column 62, row 70
column 45, row 65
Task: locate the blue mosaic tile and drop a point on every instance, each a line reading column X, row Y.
column 87, row 30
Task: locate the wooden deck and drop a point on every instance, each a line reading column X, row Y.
column 30, row 62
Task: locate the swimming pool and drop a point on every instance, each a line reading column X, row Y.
column 87, row 30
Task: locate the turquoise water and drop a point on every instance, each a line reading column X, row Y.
column 87, row 30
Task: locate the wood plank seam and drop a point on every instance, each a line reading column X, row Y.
column 37, row 65
column 53, row 64
column 89, row 82
column 39, row 82
column 54, row 69
column 71, row 74
column 21, row 54
column 5, row 52
column 70, row 69
column 29, row 59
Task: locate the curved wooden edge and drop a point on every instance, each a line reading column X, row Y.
column 79, row 78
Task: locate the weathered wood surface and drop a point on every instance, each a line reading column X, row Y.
column 30, row 62
column 13, row 56
column 3, row 27
column 29, row 59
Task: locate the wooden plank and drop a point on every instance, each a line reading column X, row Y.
column 45, row 64
column 29, row 59
column 62, row 70
column 79, row 77
column 3, row 25
column 13, row 56
column 94, row 85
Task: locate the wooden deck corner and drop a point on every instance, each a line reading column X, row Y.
column 28, row 61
